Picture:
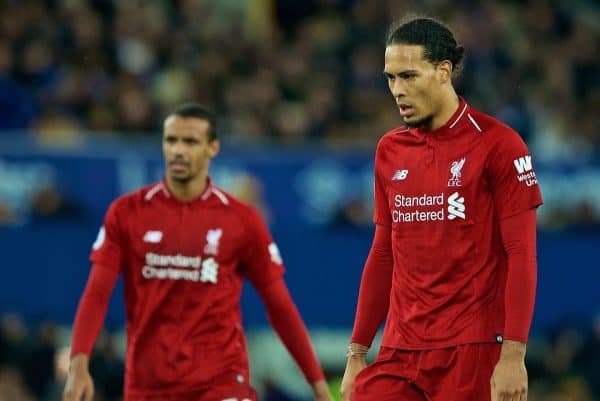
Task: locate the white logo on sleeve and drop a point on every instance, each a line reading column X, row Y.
column 525, row 171
column 400, row 175
column 154, row 237
column 523, row 164
column 212, row 241
column 99, row 239
column 455, row 170
column 275, row 255
column 456, row 206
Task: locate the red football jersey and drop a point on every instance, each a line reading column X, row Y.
column 183, row 265
column 443, row 194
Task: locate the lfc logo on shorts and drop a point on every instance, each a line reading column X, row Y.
column 455, row 170
column 212, row 241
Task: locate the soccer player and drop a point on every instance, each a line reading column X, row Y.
column 184, row 246
column 453, row 262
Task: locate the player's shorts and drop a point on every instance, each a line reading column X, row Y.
column 449, row 374
column 230, row 387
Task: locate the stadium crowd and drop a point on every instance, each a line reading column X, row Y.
column 287, row 71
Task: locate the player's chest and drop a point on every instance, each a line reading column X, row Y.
column 435, row 168
column 437, row 184
column 184, row 245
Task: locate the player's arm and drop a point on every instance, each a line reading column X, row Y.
column 106, row 257
column 261, row 263
column 287, row 323
column 375, row 286
column 518, row 232
column 86, row 328
column 516, row 195
column 376, row 281
column 373, row 305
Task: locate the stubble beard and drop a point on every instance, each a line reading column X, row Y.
column 181, row 179
column 422, row 123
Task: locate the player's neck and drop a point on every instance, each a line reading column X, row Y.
column 190, row 190
column 447, row 109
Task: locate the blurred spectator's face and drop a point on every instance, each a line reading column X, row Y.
column 415, row 83
column 186, row 147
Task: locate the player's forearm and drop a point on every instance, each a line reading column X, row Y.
column 287, row 323
column 92, row 310
column 518, row 237
column 320, row 389
column 375, row 286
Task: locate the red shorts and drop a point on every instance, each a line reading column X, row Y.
column 228, row 387
column 449, row 374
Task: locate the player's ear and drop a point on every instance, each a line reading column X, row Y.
column 214, row 147
column 444, row 71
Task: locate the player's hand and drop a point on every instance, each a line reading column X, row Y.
column 509, row 380
column 354, row 365
column 321, row 391
column 79, row 385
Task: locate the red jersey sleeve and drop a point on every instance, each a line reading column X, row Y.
column 381, row 214
column 261, row 261
column 92, row 309
column 519, row 239
column 375, row 286
column 106, row 256
column 288, row 324
column 512, row 177
column 108, row 249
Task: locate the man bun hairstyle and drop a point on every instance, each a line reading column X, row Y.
column 197, row 110
column 436, row 38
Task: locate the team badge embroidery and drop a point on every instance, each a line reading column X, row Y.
column 212, row 241
column 455, row 170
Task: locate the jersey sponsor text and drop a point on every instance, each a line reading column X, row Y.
column 400, row 214
column 173, row 267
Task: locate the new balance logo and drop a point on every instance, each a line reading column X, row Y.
column 456, row 206
column 523, row 164
column 153, row 237
column 400, row 175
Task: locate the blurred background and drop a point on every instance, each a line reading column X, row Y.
column 84, row 86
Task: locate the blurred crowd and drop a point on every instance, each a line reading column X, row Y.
column 289, row 71
column 562, row 366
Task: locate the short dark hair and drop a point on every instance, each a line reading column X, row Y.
column 196, row 110
column 436, row 38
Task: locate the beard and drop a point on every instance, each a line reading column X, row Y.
column 425, row 122
column 180, row 176
column 181, row 180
